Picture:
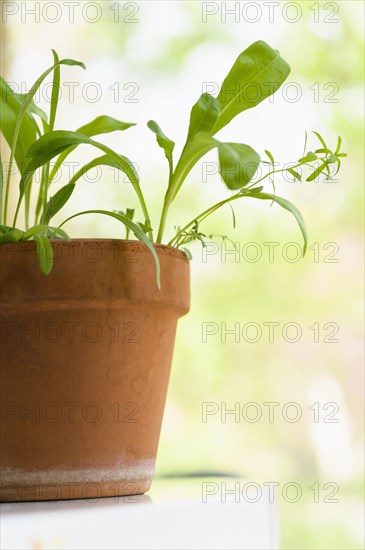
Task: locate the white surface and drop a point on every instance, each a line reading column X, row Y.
column 176, row 521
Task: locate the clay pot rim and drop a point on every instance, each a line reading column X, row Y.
column 127, row 244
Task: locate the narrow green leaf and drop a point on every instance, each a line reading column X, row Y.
column 309, row 157
column 19, row 121
column 44, row 253
column 316, row 172
column 291, row 208
column 55, row 90
column 42, row 229
column 295, row 174
column 233, row 215
column 62, row 196
column 56, row 202
column 321, row 140
column 339, row 143
column 270, row 157
column 305, row 142
column 317, row 151
column 130, row 214
column 1, row 189
column 50, row 145
column 164, row 142
column 100, row 125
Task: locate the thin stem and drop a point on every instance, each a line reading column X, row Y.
column 175, row 240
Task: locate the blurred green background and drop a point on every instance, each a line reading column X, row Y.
column 154, row 66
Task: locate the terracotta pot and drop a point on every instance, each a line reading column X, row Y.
column 85, row 361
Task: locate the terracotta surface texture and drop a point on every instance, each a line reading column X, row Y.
column 84, row 366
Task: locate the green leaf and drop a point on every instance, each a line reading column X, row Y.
column 309, row 157
column 238, row 164
column 316, row 172
column 321, row 140
column 295, row 174
column 22, row 116
column 130, row 214
column 42, row 230
column 187, row 253
column 164, row 142
column 136, row 229
column 1, row 189
column 50, row 145
column 146, row 227
column 44, row 253
column 100, row 125
column 203, row 115
column 55, row 90
column 56, row 202
column 61, row 197
column 339, row 143
column 104, row 125
column 233, row 215
column 270, row 157
column 200, row 144
column 12, row 236
column 11, row 104
column 258, row 72
column 291, row 208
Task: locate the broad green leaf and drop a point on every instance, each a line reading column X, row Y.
column 11, row 104
column 258, row 72
column 44, row 253
column 12, row 236
column 287, row 206
column 203, row 115
column 136, row 229
column 164, row 142
column 238, row 163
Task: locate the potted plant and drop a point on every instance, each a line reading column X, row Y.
column 88, row 325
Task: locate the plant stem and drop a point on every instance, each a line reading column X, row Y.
column 175, row 240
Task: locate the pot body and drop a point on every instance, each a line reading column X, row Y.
column 84, row 366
